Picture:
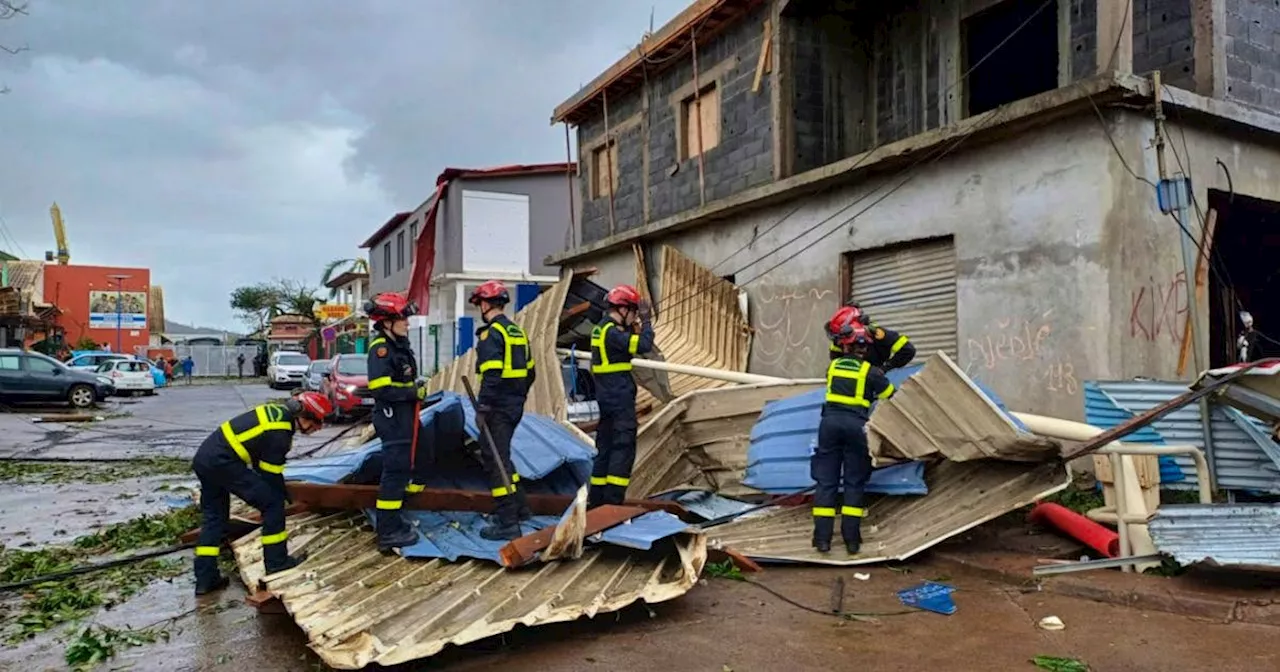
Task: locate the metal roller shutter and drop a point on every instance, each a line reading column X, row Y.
column 910, row 289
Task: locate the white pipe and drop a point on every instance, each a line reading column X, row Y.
column 700, row 371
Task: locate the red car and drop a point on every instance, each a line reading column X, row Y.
column 347, row 385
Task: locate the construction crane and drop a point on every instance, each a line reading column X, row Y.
column 60, row 237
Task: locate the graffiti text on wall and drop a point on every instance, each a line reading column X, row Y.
column 1024, row 345
column 1157, row 309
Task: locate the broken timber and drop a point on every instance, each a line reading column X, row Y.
column 351, row 497
column 525, row 549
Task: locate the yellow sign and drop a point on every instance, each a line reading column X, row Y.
column 333, row 311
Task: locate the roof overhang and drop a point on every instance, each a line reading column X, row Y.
column 1014, row 118
column 703, row 19
column 385, row 229
column 346, row 279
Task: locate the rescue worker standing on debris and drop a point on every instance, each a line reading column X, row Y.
column 504, row 362
column 245, row 457
column 889, row 349
column 842, row 453
column 397, row 392
column 625, row 334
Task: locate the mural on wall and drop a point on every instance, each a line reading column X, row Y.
column 1021, row 347
column 105, row 314
column 789, row 338
column 1158, row 309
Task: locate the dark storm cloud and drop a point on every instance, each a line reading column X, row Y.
column 222, row 143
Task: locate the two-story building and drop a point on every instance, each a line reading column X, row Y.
column 480, row 224
column 980, row 174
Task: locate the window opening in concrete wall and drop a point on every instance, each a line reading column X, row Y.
column 1025, row 65
column 908, row 287
column 732, row 278
column 1243, row 276
column 604, row 170
column 413, row 239
column 400, row 251
column 700, row 111
column 386, row 259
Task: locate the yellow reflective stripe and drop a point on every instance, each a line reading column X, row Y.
column 271, row 468
column 897, row 345
column 490, row 365
column 512, row 337
column 824, row 512
column 234, row 441
column 633, row 344
column 835, row 348
column 515, row 478
column 279, row 537
column 414, row 487
column 859, row 398
column 385, row 381
column 501, row 491
column 599, row 480
column 855, row 511
column 265, row 424
column 389, row 504
column 887, row 391
column 618, row 480
column 377, row 341
column 207, row 551
column 598, row 344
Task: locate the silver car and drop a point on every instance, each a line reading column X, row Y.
column 315, row 376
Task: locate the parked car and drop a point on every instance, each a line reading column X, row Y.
column 31, row 376
column 90, row 360
column 286, row 369
column 129, row 376
column 315, row 376
column 347, row 385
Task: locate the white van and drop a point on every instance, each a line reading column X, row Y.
column 286, row 369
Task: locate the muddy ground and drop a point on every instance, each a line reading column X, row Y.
column 722, row 625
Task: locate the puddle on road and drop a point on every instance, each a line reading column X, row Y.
column 33, row 515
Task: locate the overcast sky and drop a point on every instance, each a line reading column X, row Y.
column 220, row 144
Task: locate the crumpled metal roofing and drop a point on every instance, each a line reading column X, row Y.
column 1104, row 412
column 359, row 607
column 1245, row 535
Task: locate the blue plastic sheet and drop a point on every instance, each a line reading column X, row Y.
column 930, row 596
column 642, row 531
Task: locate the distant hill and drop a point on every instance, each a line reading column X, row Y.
column 179, row 329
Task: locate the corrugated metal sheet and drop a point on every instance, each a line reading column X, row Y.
column 643, row 531
column 1226, row 534
column 1104, row 412
column 911, row 288
column 1257, row 392
column 705, row 325
column 1238, row 460
column 25, row 275
column 940, row 411
column 359, row 607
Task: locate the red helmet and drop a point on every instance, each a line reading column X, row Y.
column 857, row 335
column 858, row 314
column 842, row 323
column 492, row 291
column 623, row 295
column 311, row 405
column 389, row 306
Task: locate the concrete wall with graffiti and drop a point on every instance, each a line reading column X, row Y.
column 1066, row 269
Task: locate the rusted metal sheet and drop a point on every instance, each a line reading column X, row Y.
column 359, row 607
column 699, row 321
column 912, row 289
column 939, row 411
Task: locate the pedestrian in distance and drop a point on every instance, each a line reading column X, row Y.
column 842, row 455
column 397, row 395
column 188, row 367
column 240, row 365
column 245, row 457
column 625, row 334
column 504, row 362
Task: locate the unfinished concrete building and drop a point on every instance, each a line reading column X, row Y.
column 979, row 174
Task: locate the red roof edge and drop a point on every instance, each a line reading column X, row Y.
column 449, row 174
column 383, row 230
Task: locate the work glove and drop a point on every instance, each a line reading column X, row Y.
column 644, row 310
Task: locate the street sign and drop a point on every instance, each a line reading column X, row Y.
column 329, row 333
column 333, row 311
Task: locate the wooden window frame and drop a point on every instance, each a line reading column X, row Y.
column 600, row 165
column 708, row 96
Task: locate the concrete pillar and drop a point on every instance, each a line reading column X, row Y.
column 1209, row 28
column 1115, row 36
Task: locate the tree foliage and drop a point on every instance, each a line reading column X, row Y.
column 257, row 304
column 331, row 271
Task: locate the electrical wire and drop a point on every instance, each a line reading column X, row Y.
column 843, row 615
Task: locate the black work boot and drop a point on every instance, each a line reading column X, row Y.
column 499, row 531
column 595, row 496
column 822, row 543
column 289, row 562
column 212, row 585
column 405, row 536
column 523, row 512
column 852, row 538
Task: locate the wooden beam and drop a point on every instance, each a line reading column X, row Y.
column 237, row 528
column 525, row 549
column 763, row 63
column 739, row 560
column 1201, row 286
column 355, row 497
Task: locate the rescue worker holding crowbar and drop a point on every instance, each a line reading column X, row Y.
column 625, row 334
column 245, row 457
column 397, row 396
column 842, row 453
column 889, row 349
column 504, row 362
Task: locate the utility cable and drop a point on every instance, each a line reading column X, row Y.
column 843, row 615
column 97, row 567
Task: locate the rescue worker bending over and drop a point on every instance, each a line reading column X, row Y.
column 889, row 349
column 245, row 457
column 842, row 453
column 625, row 334
column 504, row 362
column 397, row 393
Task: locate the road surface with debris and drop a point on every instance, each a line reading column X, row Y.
column 721, row 625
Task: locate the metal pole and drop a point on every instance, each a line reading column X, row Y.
column 119, row 329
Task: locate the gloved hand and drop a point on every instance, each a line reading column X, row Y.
column 420, row 381
column 645, row 310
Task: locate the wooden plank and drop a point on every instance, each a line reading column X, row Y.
column 354, row 497
column 1202, row 283
column 525, row 549
column 762, row 64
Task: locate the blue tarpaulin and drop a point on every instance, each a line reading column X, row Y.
column 640, row 532
column 548, row 456
column 783, row 439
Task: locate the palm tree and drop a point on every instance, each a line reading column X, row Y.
column 357, row 265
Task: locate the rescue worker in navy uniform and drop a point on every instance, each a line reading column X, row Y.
column 245, row 457
column 889, row 349
column 504, row 362
column 842, row 453
column 397, row 394
column 625, row 334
